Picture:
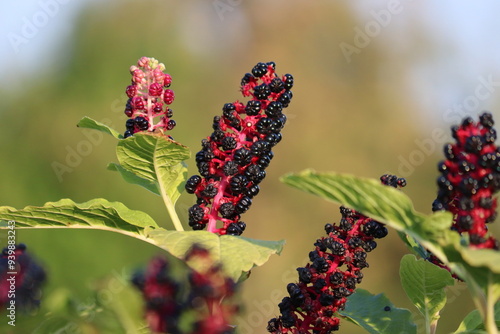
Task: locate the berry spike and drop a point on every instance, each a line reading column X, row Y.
column 149, row 98
column 332, row 274
column 470, row 176
column 19, row 269
column 234, row 157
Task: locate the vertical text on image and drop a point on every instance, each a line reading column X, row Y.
column 11, row 273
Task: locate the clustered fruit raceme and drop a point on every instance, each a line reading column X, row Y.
column 234, row 157
column 332, row 275
column 20, row 277
column 161, row 293
column 149, row 98
column 167, row 302
column 470, row 176
column 211, row 286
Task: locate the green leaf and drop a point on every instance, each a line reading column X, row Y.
column 473, row 322
column 384, row 204
column 377, row 315
column 97, row 214
column 365, row 195
column 482, row 258
column 134, row 179
column 157, row 159
column 89, row 123
column 238, row 255
column 424, row 283
column 413, row 245
column 479, row 268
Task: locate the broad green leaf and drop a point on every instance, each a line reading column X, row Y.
column 394, row 208
column 89, row 123
column 377, row 315
column 365, row 195
column 238, row 255
column 382, row 203
column 134, row 179
column 387, row 205
column 473, row 322
column 424, row 283
column 482, row 258
column 97, row 214
column 157, row 159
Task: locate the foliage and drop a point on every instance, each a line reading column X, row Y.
column 157, row 163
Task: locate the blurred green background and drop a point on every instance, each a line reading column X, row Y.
column 374, row 84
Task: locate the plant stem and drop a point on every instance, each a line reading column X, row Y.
column 433, row 327
column 171, row 209
column 489, row 314
column 485, row 304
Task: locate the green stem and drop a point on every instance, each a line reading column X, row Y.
column 171, row 209
column 489, row 316
column 484, row 304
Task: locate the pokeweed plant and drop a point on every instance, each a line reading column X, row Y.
column 452, row 242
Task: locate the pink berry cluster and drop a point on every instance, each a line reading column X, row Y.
column 149, row 98
column 470, row 176
column 234, row 157
column 332, row 275
column 21, row 278
column 167, row 301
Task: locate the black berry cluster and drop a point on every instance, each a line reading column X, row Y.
column 470, row 176
column 332, row 274
column 21, row 279
column 168, row 300
column 149, row 98
column 234, row 157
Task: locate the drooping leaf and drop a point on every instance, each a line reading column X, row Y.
column 238, row 255
column 392, row 207
column 157, row 159
column 365, row 195
column 480, row 266
column 424, row 283
column 89, row 123
column 377, row 315
column 382, row 203
column 473, row 323
column 134, row 179
column 482, row 258
column 97, row 213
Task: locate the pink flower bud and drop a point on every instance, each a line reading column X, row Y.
column 155, row 89
column 168, row 96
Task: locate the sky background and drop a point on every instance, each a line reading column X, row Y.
column 438, row 80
